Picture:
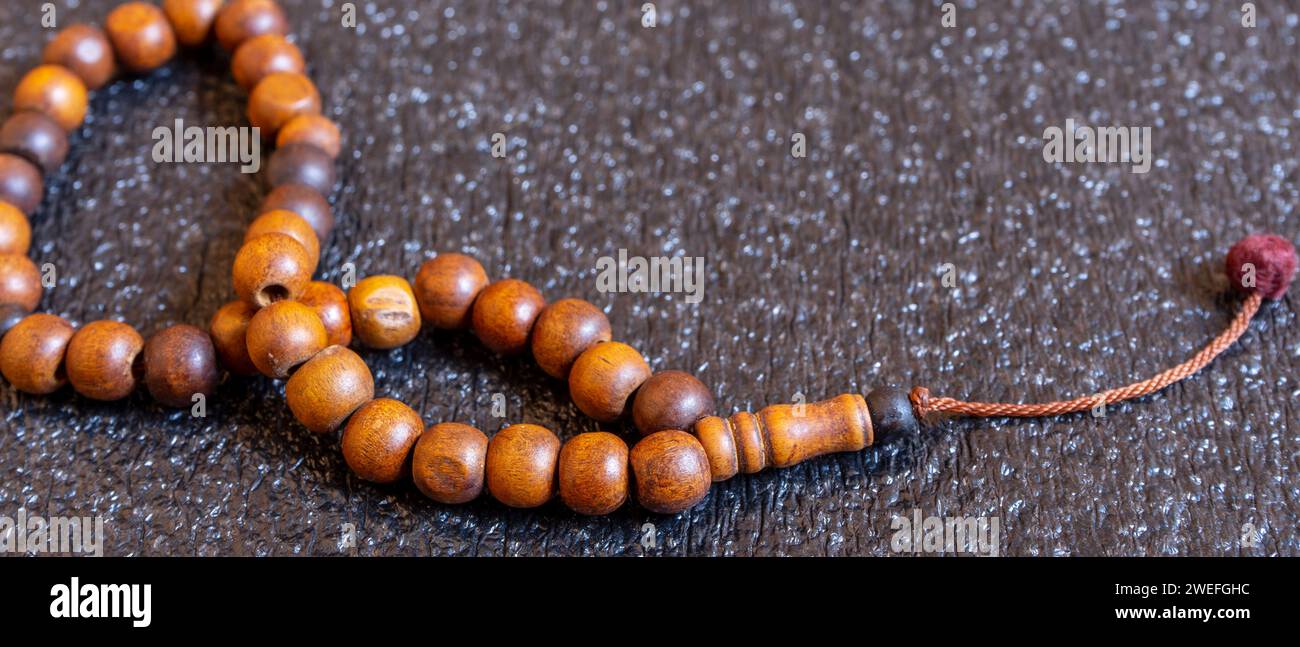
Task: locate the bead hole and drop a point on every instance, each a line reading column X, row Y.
column 272, row 293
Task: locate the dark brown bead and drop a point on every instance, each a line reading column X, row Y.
column 563, row 331
column 504, row 313
column 892, row 415
column 448, row 463
column 671, row 470
column 521, row 462
column 20, row 183
column 670, row 400
column 179, row 363
column 262, row 55
column 301, row 164
column 331, row 305
column 326, row 390
column 142, row 36
column 15, row 231
column 446, row 287
column 604, row 377
column 10, row 315
column 85, row 50
column 270, row 268
column 36, row 137
column 593, row 473
column 229, row 331
column 384, row 312
column 279, row 97
column 54, row 91
column 283, row 221
column 191, row 19
column 101, row 360
column 316, row 130
column 283, row 335
column 20, row 281
column 31, row 354
column 304, row 201
column 240, row 20
column 378, row 440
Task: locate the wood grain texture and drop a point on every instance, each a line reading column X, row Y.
column 822, row 273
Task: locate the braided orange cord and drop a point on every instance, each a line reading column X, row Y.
column 924, row 404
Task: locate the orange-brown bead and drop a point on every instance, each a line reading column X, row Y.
column 593, row 473
column 316, row 130
column 54, row 91
column 604, row 377
column 191, row 20
column 504, row 313
column 563, row 331
column 331, row 305
column 283, row 335
column 271, row 268
column 20, row 281
column 670, row 400
column 229, row 331
column 719, row 445
column 101, row 360
column 449, row 462
column 279, row 97
column 378, row 440
column 180, row 363
column 142, row 36
column 263, row 55
column 15, row 231
column 282, row 221
column 31, row 353
column 384, row 312
column 671, row 470
column 326, row 390
column 85, row 50
column 446, row 287
column 521, row 461
column 240, row 20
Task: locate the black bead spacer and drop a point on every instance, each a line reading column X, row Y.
column 892, row 415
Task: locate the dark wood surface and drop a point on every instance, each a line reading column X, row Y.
column 823, row 273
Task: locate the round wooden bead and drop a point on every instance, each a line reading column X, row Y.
column 563, row 331
column 20, row 183
column 54, row 91
column 521, row 463
column 503, row 315
column 378, row 439
column 326, row 390
column 670, row 400
column 36, row 137
column 279, row 97
column 892, row 415
column 448, row 463
column 10, row 315
column 331, row 305
column 446, row 286
column 20, row 281
column 101, row 360
column 604, row 377
column 384, row 312
column 240, row 20
column 316, row 130
column 270, row 268
column 15, row 231
column 283, row 335
column 301, row 164
column 31, row 353
column 262, row 55
column 85, row 50
column 179, row 363
column 229, row 332
column 304, row 201
column 593, row 473
column 142, row 36
column 671, row 470
column 191, row 19
column 283, row 221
